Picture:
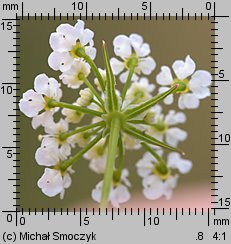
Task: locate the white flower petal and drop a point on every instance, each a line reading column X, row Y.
column 183, row 69
column 141, row 49
column 44, row 119
column 169, row 99
column 199, row 83
column 65, row 150
column 71, row 76
column 169, row 185
column 97, row 191
column 86, row 37
column 91, row 52
column 98, row 165
column 79, row 27
column 153, row 187
column 31, row 103
column 51, row 182
column 136, row 40
column 122, row 46
column 124, row 76
column 116, row 65
column 60, row 61
column 60, row 43
column 66, row 181
column 47, row 156
column 147, row 65
column 47, row 86
column 119, row 195
column 68, row 31
column 175, row 135
column 173, row 118
column 124, row 177
column 165, row 76
column 189, row 101
column 176, row 162
column 144, row 168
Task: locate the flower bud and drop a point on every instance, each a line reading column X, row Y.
column 85, row 98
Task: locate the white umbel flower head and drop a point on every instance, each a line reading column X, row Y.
column 155, row 188
column 196, row 86
column 86, row 97
column 128, row 48
column 35, row 101
column 64, row 43
column 53, row 182
column 139, row 91
column 71, row 77
column 119, row 192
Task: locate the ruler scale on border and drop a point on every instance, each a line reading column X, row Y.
column 151, row 216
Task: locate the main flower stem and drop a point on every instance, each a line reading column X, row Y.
column 53, row 103
column 111, row 156
column 118, row 171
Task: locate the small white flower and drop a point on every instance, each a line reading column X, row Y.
column 98, row 165
column 128, row 48
column 72, row 116
column 53, row 137
column 155, row 187
column 33, row 102
column 86, row 97
column 97, row 151
column 139, row 91
column 47, row 154
column 97, row 156
column 176, row 162
column 162, row 127
column 153, row 114
column 81, row 138
column 197, row 87
column 119, row 192
column 130, row 142
column 147, row 163
column 53, row 183
column 65, row 41
column 71, row 76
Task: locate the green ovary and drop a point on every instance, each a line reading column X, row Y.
column 161, row 170
column 160, row 127
column 74, row 50
column 183, row 85
column 132, row 61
